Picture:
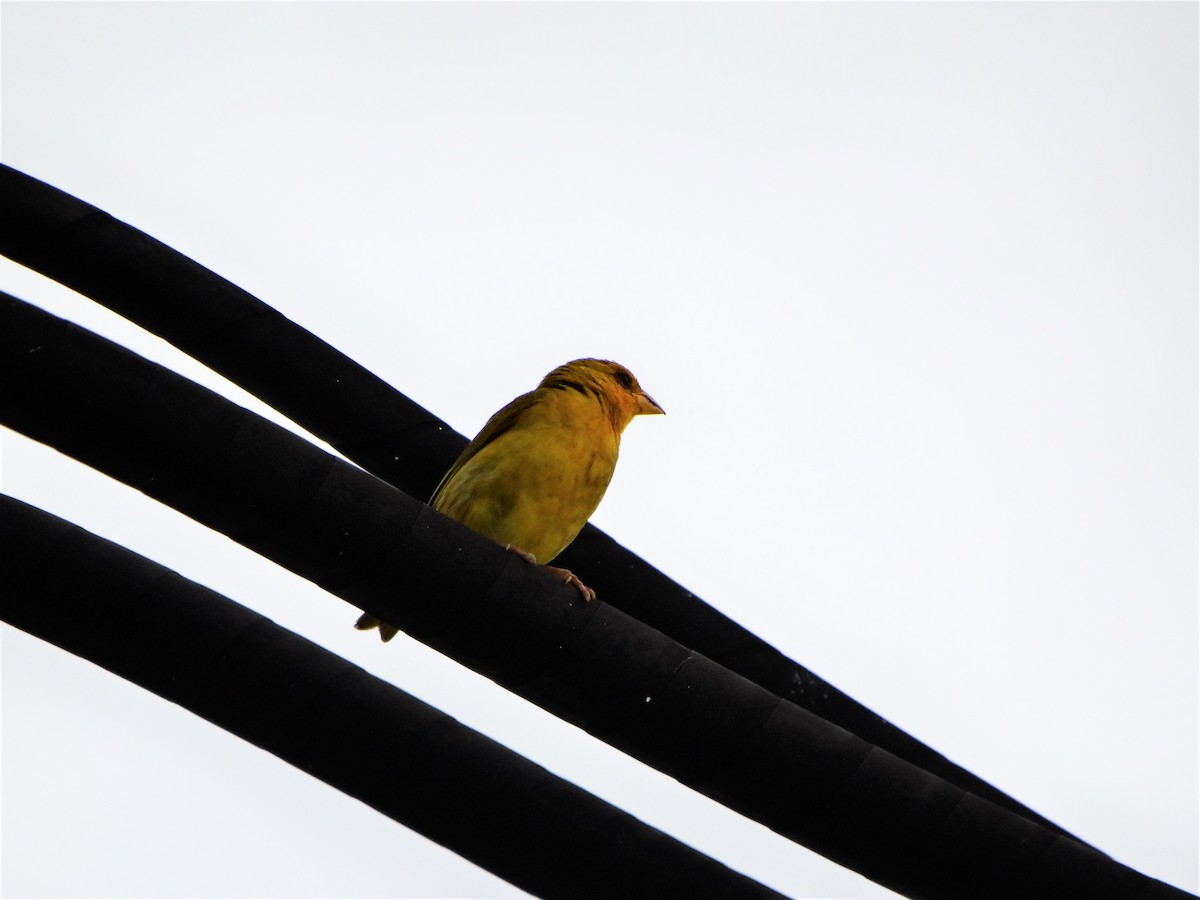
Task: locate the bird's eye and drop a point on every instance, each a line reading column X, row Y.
column 625, row 380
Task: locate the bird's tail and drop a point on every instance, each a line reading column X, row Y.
column 367, row 621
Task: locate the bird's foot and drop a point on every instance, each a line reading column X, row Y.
column 525, row 555
column 566, row 575
column 571, row 578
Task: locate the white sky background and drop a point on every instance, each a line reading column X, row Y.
column 916, row 285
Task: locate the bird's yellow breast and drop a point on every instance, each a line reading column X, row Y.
column 535, row 485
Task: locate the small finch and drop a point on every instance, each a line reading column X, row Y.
column 539, row 468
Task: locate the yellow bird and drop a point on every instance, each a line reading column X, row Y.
column 539, row 468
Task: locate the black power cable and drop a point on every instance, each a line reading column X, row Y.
column 386, row 433
column 336, row 722
column 588, row 663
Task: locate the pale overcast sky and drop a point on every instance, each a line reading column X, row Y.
column 916, row 284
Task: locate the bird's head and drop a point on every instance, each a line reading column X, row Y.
column 611, row 383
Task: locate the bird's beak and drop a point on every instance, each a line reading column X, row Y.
column 647, row 406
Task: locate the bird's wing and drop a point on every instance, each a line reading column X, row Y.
column 500, row 422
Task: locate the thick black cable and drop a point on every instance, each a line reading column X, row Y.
column 587, row 663
column 329, row 718
column 385, row 432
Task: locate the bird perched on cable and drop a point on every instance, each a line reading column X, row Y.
column 539, row 468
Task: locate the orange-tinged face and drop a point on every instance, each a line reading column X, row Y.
column 614, row 384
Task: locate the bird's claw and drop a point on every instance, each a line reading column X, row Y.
column 524, row 554
column 571, row 578
column 566, row 575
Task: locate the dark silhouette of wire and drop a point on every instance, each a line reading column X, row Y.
column 588, row 663
column 336, row 722
column 388, row 434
